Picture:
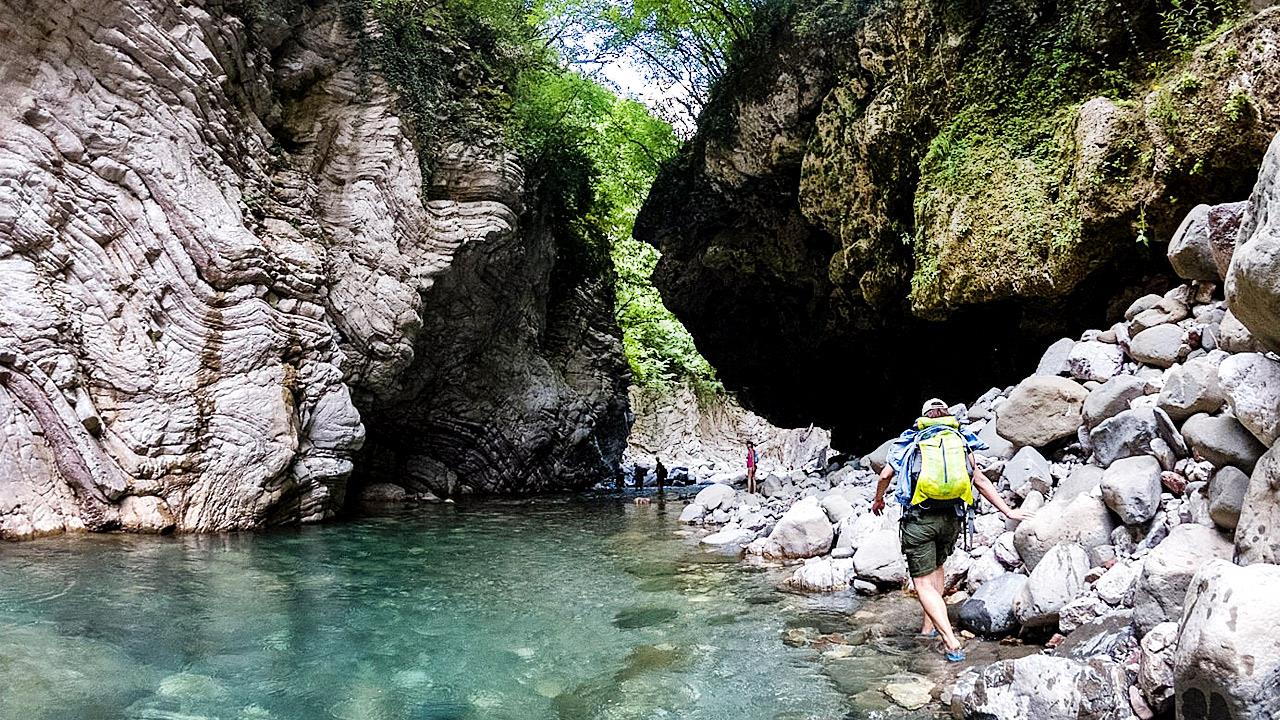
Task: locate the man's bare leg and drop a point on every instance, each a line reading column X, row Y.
column 935, row 608
column 939, row 579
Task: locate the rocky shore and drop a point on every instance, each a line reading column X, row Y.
column 1148, row 451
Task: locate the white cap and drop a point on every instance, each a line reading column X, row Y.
column 933, row 404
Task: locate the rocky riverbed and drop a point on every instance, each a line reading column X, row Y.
column 1147, row 449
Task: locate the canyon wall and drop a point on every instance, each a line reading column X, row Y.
column 891, row 201
column 222, row 282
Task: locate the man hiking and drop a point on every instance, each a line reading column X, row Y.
column 752, row 460
column 937, row 473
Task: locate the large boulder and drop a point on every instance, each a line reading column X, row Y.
column 717, row 497
column 1161, row 346
column 1253, row 279
column 837, row 507
column 877, row 458
column 1258, row 530
column 1192, row 387
column 1083, row 520
column 1056, row 580
column 1167, row 570
column 147, row 514
column 1042, row 687
column 1112, row 398
column 1234, row 337
column 1140, row 431
column 692, row 513
column 1251, row 382
column 1027, row 470
column 1227, row 663
column 1224, row 230
column 1222, row 440
column 1040, row 410
column 879, row 558
column 1226, row 496
column 1054, row 360
column 989, row 611
column 823, row 574
column 1094, row 360
column 803, row 531
column 1167, row 310
column 1131, row 488
column 1189, row 251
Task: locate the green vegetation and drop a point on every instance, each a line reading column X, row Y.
column 499, row 70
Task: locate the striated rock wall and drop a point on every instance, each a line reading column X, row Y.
column 215, row 258
column 708, row 435
column 976, row 178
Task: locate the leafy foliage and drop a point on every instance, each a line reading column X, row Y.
column 495, row 69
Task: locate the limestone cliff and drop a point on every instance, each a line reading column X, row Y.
column 879, row 188
column 220, row 279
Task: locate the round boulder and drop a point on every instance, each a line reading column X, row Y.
column 1222, row 440
column 1160, row 346
column 1041, row 410
column 1131, row 488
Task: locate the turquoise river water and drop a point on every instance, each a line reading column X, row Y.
column 565, row 609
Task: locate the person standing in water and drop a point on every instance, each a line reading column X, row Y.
column 660, row 473
column 937, row 472
column 752, row 461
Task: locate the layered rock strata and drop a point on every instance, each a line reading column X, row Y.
column 216, row 258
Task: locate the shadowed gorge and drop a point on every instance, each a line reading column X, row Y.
column 875, row 188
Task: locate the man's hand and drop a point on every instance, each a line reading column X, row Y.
column 1020, row 514
column 877, row 505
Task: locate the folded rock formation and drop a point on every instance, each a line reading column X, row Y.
column 219, row 279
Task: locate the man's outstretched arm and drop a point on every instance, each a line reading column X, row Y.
column 988, row 491
column 877, row 505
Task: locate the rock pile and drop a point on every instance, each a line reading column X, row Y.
column 1148, row 450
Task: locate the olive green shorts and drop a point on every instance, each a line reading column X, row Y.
column 928, row 541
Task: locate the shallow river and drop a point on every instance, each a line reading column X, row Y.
column 556, row 608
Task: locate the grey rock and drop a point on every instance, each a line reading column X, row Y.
column 1143, row 303
column 716, row 496
column 1109, row 635
column 1191, row 388
column 803, row 531
column 1167, row 310
column 1055, row 581
column 1189, row 251
column 1257, row 535
column 1167, row 570
column 1253, row 279
column 1161, row 346
column 1234, row 337
column 997, row 445
column 1042, row 409
column 1135, row 432
column 837, row 507
column 989, row 611
column 146, row 514
column 1228, row 652
column 1131, row 488
column 1095, row 360
column 877, row 458
column 1251, row 383
column 879, row 559
column 1224, row 230
column 692, row 514
column 1083, row 520
column 1116, row 584
column 730, row 538
column 1080, row 481
column 1226, row 496
column 1222, row 440
column 822, row 575
column 1027, row 470
column 1054, row 360
column 1155, row 666
column 1112, row 398
column 984, row 568
column 1042, row 687
column 383, row 494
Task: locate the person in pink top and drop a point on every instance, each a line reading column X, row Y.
column 752, row 461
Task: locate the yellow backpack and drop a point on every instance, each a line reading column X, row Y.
column 944, row 463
